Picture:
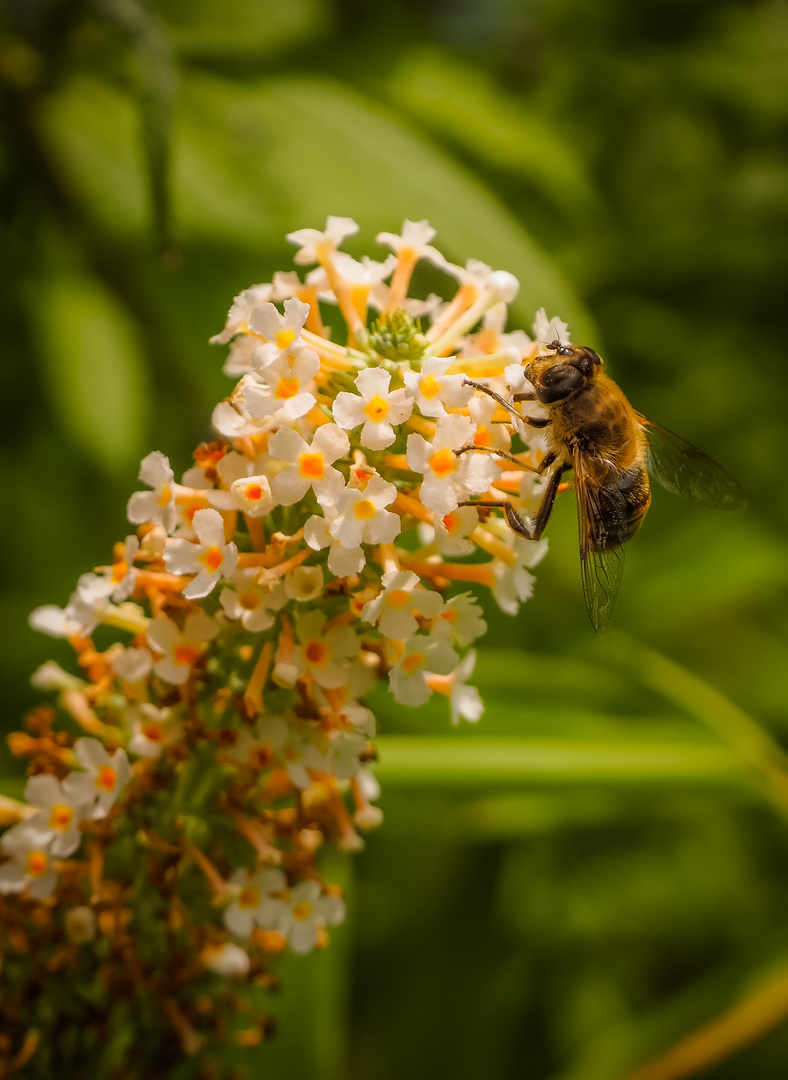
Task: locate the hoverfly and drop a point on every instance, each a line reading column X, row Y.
column 591, row 428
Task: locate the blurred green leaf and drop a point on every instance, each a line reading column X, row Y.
column 241, row 28
column 94, row 370
column 462, row 103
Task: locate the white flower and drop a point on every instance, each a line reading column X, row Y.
column 251, row 600
column 342, row 561
column 311, row 465
column 86, row 607
column 447, row 476
column 413, row 242
column 228, row 959
column 361, row 517
column 376, row 408
column 514, row 584
column 158, row 505
column 58, row 821
column 308, row 910
column 464, row 701
column 242, row 307
column 51, row 676
column 487, row 434
column 104, row 778
column 549, row 330
column 181, row 648
column 152, row 729
column 323, row 654
column 432, row 389
column 393, row 609
column 304, row 583
column 463, row 616
column 133, row 665
column 209, row 559
column 423, row 654
column 285, row 395
column 254, row 902
column 312, row 243
column 452, row 530
column 30, row 864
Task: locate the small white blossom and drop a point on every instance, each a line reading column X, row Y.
column 549, row 330
column 361, row 517
column 228, row 959
column 209, row 559
column 432, row 389
column 181, row 648
column 80, row 924
column 284, row 394
column 312, row 243
column 322, row 653
column 308, row 910
column 251, row 600
column 447, row 475
column 463, row 616
column 342, row 561
column 152, row 729
column 157, row 506
column 310, row 465
column 254, row 903
column 376, row 408
column 51, row 676
column 514, row 584
column 242, row 307
column 30, row 865
column 393, row 609
column 133, row 665
column 423, row 654
column 59, row 816
column 104, row 777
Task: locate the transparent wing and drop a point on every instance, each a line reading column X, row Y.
column 601, row 566
column 683, row 469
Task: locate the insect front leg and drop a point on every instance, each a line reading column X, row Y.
column 525, row 395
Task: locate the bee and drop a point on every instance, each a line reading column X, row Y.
column 592, row 429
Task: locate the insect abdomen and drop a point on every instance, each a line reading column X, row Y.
column 620, row 508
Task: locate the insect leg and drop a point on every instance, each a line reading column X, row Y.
column 513, row 519
column 526, row 395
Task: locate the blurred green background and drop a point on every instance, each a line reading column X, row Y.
column 600, row 867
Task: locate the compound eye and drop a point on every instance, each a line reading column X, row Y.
column 558, row 382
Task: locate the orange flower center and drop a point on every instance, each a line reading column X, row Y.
column 253, row 492
column 185, row 654
column 398, row 598
column 443, row 462
column 364, row 510
column 377, row 409
column 37, row 863
column 61, row 817
column 211, row 558
column 119, row 571
column 482, row 437
column 152, row 731
column 312, row 466
column 106, row 778
column 450, row 522
column 302, row 910
column 316, row 653
column 287, row 388
column 413, row 662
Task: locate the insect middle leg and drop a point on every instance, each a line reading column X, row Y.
column 526, row 395
column 513, row 519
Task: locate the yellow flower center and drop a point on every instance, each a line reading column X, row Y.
column 61, row 817
column 377, row 409
column 443, row 462
column 312, row 466
column 211, row 558
column 119, row 572
column 285, row 338
column 364, row 510
column 430, row 387
column 249, row 600
column 302, row 910
column 165, row 497
column 249, row 897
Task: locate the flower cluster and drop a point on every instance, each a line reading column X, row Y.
column 217, row 734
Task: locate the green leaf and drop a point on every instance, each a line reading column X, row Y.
column 463, row 104
column 454, row 764
column 94, row 370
